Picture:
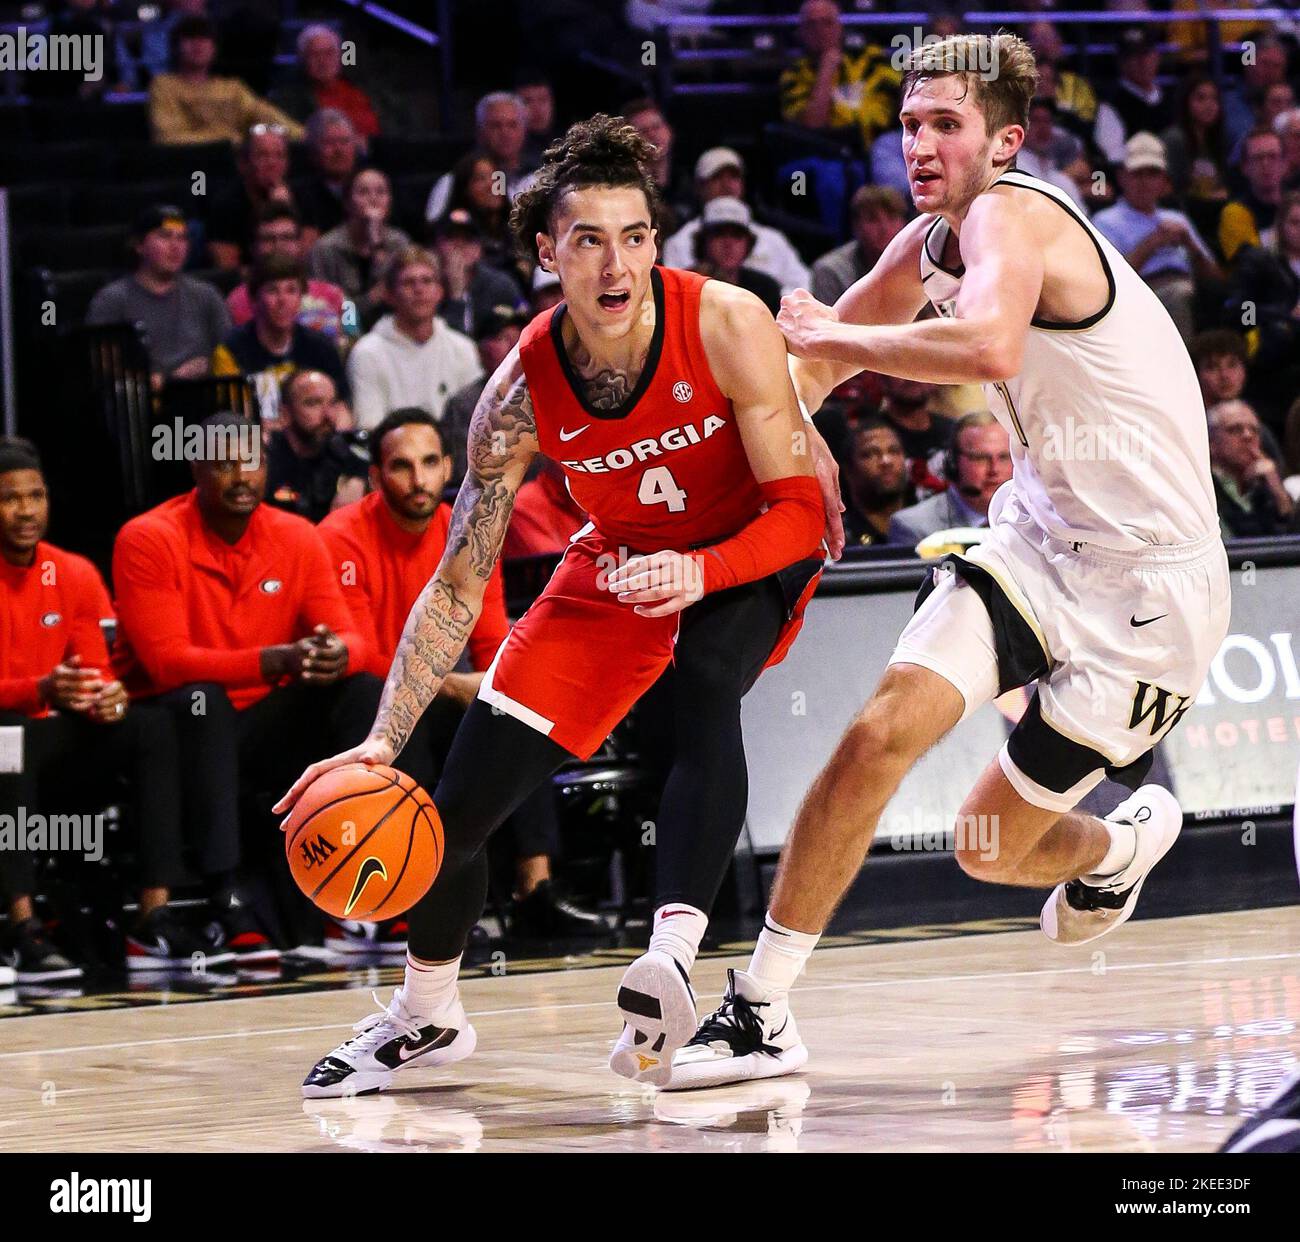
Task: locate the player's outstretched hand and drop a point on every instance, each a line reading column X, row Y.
column 659, row 584
column 801, row 317
column 828, row 479
column 372, row 750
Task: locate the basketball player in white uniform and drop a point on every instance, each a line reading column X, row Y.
column 1103, row 579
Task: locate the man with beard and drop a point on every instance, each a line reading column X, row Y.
column 385, row 548
column 311, row 455
column 876, row 485
column 908, row 407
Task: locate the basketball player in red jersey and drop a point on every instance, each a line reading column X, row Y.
column 666, row 400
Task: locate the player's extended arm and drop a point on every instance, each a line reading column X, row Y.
column 983, row 342
column 890, row 293
column 502, row 443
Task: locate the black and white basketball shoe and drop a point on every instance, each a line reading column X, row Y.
column 392, row 1039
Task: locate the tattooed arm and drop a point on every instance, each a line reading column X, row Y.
column 502, row 443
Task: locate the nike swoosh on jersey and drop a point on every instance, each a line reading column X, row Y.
column 566, row 436
column 368, row 869
column 1137, row 625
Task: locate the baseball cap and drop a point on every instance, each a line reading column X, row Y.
column 458, row 220
column 158, row 216
column 726, row 213
column 715, row 160
column 1145, row 151
column 496, row 318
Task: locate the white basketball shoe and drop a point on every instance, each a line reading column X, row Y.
column 1081, row 910
column 751, row 1035
column 658, row 1009
column 392, row 1039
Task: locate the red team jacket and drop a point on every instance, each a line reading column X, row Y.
column 194, row 608
column 49, row 610
column 382, row 569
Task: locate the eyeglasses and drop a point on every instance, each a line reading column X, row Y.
column 267, row 127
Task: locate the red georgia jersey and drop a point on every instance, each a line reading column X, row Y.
column 667, row 470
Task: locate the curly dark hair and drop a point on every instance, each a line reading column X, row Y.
column 601, row 151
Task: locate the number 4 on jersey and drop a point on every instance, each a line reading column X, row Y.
column 658, row 487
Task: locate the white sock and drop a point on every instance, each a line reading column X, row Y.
column 779, row 955
column 1122, row 849
column 677, row 930
column 428, row 988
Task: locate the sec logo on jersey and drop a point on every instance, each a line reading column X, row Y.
column 682, row 391
column 270, row 586
column 51, row 619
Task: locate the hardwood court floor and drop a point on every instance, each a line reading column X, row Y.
column 989, row 1042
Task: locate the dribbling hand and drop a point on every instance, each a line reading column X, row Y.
column 373, row 750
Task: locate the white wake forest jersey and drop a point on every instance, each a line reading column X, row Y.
column 1108, row 432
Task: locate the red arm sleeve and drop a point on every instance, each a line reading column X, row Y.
column 492, row 626
column 152, row 611
column 21, row 694
column 790, row 530
column 347, row 563
column 322, row 601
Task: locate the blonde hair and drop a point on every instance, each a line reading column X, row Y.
column 411, row 256
column 1000, row 68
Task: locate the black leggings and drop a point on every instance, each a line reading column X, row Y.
column 694, row 742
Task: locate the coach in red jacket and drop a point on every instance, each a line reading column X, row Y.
column 78, row 731
column 384, row 549
column 232, row 618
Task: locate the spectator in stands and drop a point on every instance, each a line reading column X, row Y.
column 79, row 736
column 1138, row 98
column 544, row 518
column 1220, row 358
column 1049, row 150
column 333, row 149
column 875, row 482
column 1287, row 127
column 878, row 214
column 1266, row 282
column 183, row 319
column 263, row 171
column 233, row 621
column 274, row 344
column 279, row 232
column 539, row 104
column 829, row 87
column 471, row 287
column 1247, row 220
column 476, row 190
column 411, row 357
column 1076, row 101
column 75, row 20
column 496, row 332
column 723, row 243
column 1279, row 99
column 911, row 407
column 145, row 53
column 1243, row 100
column 191, row 105
column 676, row 189
column 979, row 462
column 1161, row 244
column 318, row 82
column 500, row 133
column 313, row 456
column 720, row 173
column 1247, row 482
column 1195, row 148
column 355, row 255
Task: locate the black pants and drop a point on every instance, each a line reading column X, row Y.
column 496, row 761
column 72, row 764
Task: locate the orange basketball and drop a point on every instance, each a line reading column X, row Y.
column 364, row 842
